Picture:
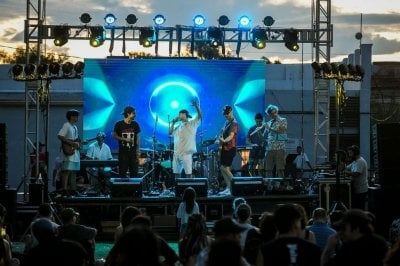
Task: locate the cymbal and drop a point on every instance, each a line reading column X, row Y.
column 208, row 142
column 145, row 149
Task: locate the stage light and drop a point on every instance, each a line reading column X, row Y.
column 109, row 19
column 97, row 36
column 61, row 34
column 17, row 70
column 343, row 69
column 352, row 69
column 42, row 69
column 258, row 38
column 131, row 19
column 223, row 20
column 335, row 69
column 268, row 21
column 290, row 37
column 85, row 18
column 326, row 68
column 214, row 36
column 79, row 66
column 244, row 21
column 360, row 71
column 317, row 69
column 199, row 20
column 67, row 68
column 146, row 37
column 54, row 68
column 159, row 19
column 29, row 69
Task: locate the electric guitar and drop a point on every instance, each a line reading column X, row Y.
column 69, row 149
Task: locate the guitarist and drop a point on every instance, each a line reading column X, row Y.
column 228, row 141
column 70, row 155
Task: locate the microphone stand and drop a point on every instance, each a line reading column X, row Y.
column 170, row 148
column 151, row 187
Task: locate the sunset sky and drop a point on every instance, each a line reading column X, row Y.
column 381, row 24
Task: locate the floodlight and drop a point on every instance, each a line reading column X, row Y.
column 159, row 19
column 17, row 70
column 79, row 66
column 131, row 19
column 29, row 69
column 344, row 70
column 199, row 20
column 146, row 37
column 290, row 37
column 61, row 34
column 223, row 20
column 214, row 36
column 335, row 69
column 67, row 68
column 258, row 38
column 326, row 68
column 85, row 18
column 110, row 19
column 268, row 21
column 54, row 68
column 42, row 69
column 244, row 21
column 97, row 36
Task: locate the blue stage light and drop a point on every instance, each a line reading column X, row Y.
column 159, row 19
column 199, row 20
column 110, row 18
column 244, row 21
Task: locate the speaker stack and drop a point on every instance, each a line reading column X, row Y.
column 199, row 184
column 126, row 187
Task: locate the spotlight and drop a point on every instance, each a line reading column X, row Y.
column 223, row 20
column 335, row 69
column 317, row 69
column 61, row 34
column 146, row 37
column 17, row 70
column 54, row 68
column 259, row 38
column 290, row 37
column 360, row 71
column 42, row 69
column 268, row 21
column 67, row 68
column 159, row 19
column 214, row 36
column 244, row 21
column 343, row 69
column 199, row 20
column 85, row 18
column 326, row 68
column 97, row 36
column 131, row 19
column 79, row 66
column 29, row 69
column 352, row 69
column 110, row 19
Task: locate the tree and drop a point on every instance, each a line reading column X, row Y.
column 19, row 56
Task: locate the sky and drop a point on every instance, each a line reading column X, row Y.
column 380, row 24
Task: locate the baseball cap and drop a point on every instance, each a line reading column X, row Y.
column 68, row 213
column 227, row 226
column 128, row 109
column 227, row 109
column 185, row 112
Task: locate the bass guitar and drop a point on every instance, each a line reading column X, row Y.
column 69, row 149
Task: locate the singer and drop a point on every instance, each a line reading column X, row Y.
column 184, row 132
column 127, row 131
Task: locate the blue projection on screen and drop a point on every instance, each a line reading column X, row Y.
column 159, row 88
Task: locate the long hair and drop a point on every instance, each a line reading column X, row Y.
column 195, row 236
column 189, row 197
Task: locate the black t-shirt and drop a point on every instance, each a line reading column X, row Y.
column 291, row 251
column 128, row 131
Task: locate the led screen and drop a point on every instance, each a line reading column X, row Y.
column 159, row 88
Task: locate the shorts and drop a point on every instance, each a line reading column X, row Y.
column 227, row 156
column 182, row 161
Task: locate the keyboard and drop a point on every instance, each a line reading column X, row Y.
column 99, row 163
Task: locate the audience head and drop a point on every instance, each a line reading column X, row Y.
column 227, row 228
column 335, row 217
column 128, row 214
column 44, row 210
column 243, row 213
column 68, row 215
column 235, row 203
column 288, row 219
column 196, row 225
column 224, row 252
column 320, row 214
column 189, row 194
column 354, row 224
column 267, row 226
column 43, row 230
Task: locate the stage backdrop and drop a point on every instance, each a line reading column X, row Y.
column 159, row 88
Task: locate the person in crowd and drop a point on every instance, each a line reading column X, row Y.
column 320, row 227
column 300, row 161
column 290, row 247
column 244, row 216
column 225, row 252
column 99, row 150
column 307, row 234
column 70, row 155
column 227, row 147
column 127, row 215
column 72, row 230
column 187, row 207
column 334, row 242
column 357, row 170
column 184, row 140
column 360, row 245
column 127, row 131
column 224, row 228
column 258, row 142
column 277, row 137
column 6, row 257
column 194, row 240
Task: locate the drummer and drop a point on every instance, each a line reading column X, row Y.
column 184, row 132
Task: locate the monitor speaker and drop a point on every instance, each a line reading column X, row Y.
column 126, row 187
column 200, row 185
column 247, row 186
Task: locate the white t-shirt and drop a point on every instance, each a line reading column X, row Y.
column 301, row 160
column 99, row 153
column 183, row 215
column 70, row 131
column 185, row 137
column 360, row 183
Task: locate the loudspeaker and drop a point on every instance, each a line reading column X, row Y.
column 8, row 198
column 200, row 185
column 247, row 186
column 327, row 192
column 126, row 187
column 35, row 194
